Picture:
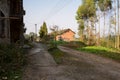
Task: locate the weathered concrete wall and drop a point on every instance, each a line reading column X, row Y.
column 16, row 25
column 4, row 8
column 12, row 17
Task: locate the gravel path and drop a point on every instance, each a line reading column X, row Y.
column 41, row 66
column 76, row 66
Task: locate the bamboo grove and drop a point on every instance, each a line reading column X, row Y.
column 99, row 22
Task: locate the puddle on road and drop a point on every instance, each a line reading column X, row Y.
column 37, row 50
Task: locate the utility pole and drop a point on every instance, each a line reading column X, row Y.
column 36, row 28
column 35, row 34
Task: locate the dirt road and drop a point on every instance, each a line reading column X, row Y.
column 41, row 66
column 76, row 66
column 92, row 67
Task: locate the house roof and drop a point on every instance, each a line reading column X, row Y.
column 64, row 31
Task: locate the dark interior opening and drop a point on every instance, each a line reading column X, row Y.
column 2, row 25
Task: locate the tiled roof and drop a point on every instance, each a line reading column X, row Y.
column 62, row 31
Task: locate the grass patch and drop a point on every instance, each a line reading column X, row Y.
column 57, row 54
column 102, row 51
column 12, row 60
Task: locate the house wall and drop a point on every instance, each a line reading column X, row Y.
column 16, row 25
column 4, row 23
column 13, row 28
column 67, row 36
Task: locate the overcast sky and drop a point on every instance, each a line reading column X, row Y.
column 53, row 12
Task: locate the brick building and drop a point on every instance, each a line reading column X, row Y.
column 11, row 21
column 66, row 35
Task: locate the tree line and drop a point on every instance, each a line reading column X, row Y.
column 99, row 22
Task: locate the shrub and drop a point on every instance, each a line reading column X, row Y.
column 11, row 61
column 56, row 43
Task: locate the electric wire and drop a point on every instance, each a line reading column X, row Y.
column 61, row 4
column 57, row 8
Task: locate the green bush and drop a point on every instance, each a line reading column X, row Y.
column 53, row 43
column 11, row 61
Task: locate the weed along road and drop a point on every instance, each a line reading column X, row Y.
column 74, row 66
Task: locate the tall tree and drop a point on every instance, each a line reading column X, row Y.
column 81, row 29
column 85, row 12
column 104, row 6
column 118, row 36
column 43, row 30
column 114, row 22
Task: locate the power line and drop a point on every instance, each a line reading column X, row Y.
column 58, row 7
column 61, row 4
column 54, row 8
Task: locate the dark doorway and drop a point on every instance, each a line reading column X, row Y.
column 2, row 26
column 15, row 30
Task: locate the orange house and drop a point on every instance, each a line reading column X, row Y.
column 66, row 35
